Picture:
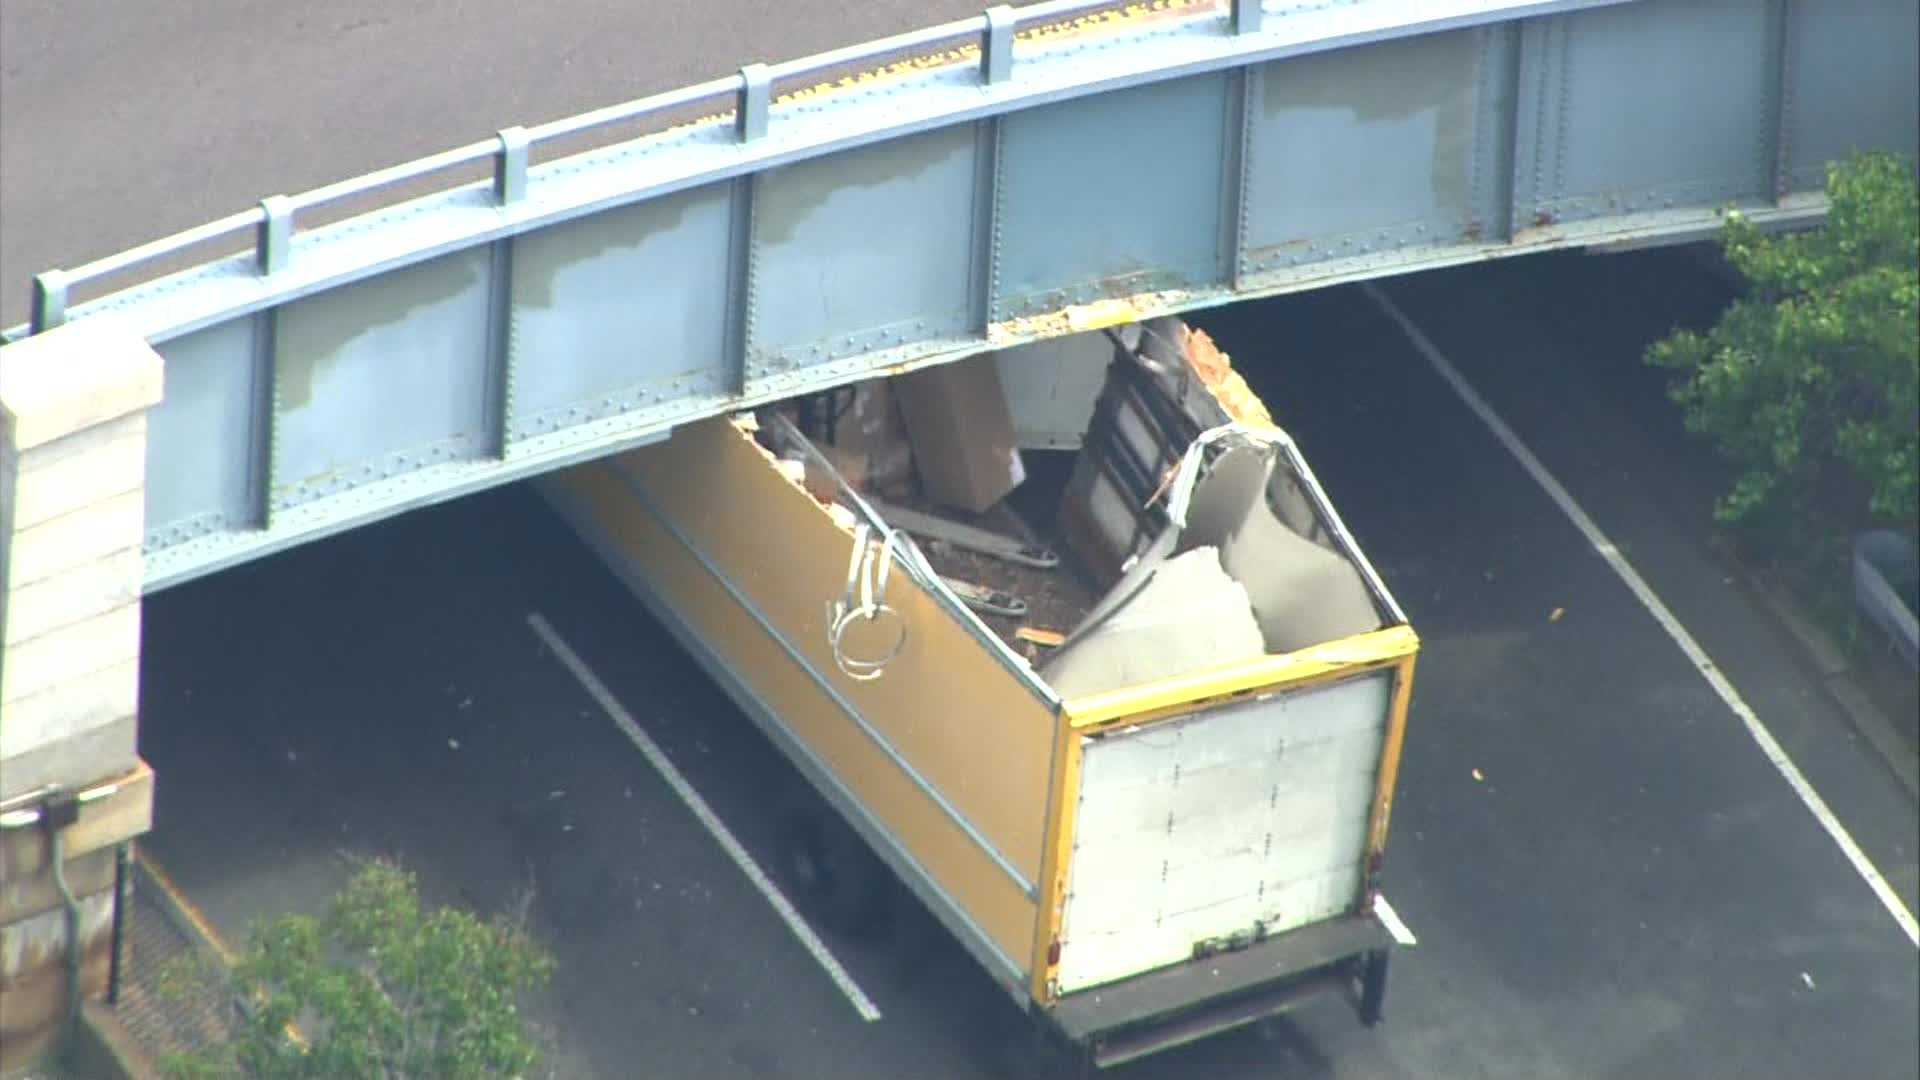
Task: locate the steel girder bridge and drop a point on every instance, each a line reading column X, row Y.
column 559, row 292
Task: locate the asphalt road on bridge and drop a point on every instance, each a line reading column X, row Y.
column 124, row 122
column 1607, row 876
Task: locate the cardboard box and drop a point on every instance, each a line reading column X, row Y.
column 851, row 467
column 961, row 430
column 870, row 438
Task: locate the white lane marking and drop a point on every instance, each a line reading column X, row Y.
column 1390, row 919
column 1660, row 612
column 705, row 815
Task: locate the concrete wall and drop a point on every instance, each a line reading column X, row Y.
column 73, row 406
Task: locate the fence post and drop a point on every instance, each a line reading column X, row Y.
column 275, row 235
column 996, row 46
column 510, row 166
column 49, row 300
column 756, row 97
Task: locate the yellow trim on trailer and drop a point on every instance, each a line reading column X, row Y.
column 1063, row 818
column 1390, row 758
column 1335, row 659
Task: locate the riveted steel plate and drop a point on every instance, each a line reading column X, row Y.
column 1363, row 150
column 1842, row 57
column 1644, row 107
column 380, row 377
column 200, row 438
column 863, row 250
column 1111, row 195
column 619, row 311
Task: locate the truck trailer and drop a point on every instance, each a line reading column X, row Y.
column 1135, row 749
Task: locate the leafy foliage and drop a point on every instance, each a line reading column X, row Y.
column 378, row 987
column 1808, row 382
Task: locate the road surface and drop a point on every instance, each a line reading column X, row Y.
column 1607, row 875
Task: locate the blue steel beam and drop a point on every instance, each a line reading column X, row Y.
column 1025, row 182
column 1160, row 50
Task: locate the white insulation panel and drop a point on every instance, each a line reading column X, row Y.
column 1052, row 385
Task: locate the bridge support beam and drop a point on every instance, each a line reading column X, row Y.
column 73, row 405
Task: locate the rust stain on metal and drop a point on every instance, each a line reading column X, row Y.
column 1228, row 386
column 1106, row 21
column 39, row 940
column 1091, row 24
column 33, row 975
column 1079, row 318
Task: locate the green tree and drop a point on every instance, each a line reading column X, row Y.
column 1807, row 383
column 378, row 987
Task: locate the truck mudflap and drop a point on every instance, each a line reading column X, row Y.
column 1208, row 995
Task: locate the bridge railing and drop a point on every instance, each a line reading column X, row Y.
column 745, row 99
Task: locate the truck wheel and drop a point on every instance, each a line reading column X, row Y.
column 839, row 878
column 1373, row 987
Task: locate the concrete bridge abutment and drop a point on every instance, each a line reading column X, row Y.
column 73, row 790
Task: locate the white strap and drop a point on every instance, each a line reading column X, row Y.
column 864, row 598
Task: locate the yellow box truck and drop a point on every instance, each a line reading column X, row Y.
column 1161, row 820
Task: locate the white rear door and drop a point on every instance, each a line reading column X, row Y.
column 1202, row 827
